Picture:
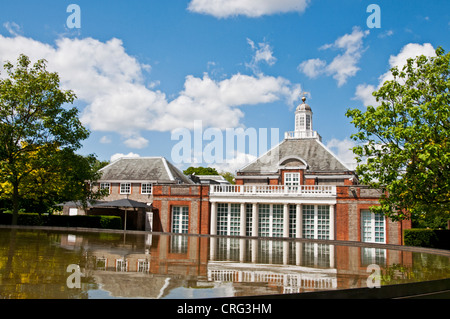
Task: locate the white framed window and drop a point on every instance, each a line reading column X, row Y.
column 292, row 180
column 146, row 188
column 308, row 122
column 143, row 265
column 125, row 188
column 270, row 220
column 180, row 219
column 106, row 186
column 292, row 220
column 121, row 265
column 373, row 227
column 300, row 122
column 249, row 222
column 316, row 221
column 228, row 219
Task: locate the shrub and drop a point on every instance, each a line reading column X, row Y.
column 427, row 238
column 85, row 221
column 110, row 222
column 30, row 219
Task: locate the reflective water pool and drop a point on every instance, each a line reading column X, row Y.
column 65, row 264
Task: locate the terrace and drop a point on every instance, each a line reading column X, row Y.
column 274, row 190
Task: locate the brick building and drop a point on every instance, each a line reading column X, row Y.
column 298, row 189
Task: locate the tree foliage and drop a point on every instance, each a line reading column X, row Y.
column 200, row 171
column 39, row 134
column 404, row 142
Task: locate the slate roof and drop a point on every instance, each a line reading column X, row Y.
column 312, row 152
column 153, row 169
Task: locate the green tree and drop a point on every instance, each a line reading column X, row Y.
column 229, row 177
column 35, row 123
column 404, row 142
column 200, row 171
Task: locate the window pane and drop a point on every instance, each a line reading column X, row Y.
column 146, row 188
column 264, row 220
column 125, row 188
column 308, row 221
column 180, row 219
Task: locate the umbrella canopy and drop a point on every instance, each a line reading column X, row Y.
column 123, row 203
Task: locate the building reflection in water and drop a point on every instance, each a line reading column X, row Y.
column 156, row 265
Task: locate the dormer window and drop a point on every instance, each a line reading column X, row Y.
column 292, row 180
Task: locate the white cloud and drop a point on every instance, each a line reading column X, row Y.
column 312, row 67
column 364, row 93
column 411, row 50
column 117, row 156
column 216, row 102
column 263, row 53
column 343, row 150
column 388, row 33
column 105, row 140
column 344, row 65
column 234, row 164
column 112, row 85
column 138, row 142
column 249, row 8
column 13, row 28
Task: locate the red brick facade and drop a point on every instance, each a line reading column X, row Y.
column 350, row 202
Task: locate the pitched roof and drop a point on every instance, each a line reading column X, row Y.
column 312, row 152
column 154, row 169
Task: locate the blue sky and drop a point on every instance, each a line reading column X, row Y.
column 142, row 69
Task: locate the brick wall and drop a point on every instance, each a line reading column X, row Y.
column 193, row 196
column 350, row 202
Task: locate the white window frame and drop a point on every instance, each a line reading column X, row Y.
column 182, row 213
column 270, row 220
column 315, row 222
column 125, row 188
column 372, row 227
column 106, row 186
column 146, row 192
column 122, row 265
column 292, row 180
column 228, row 219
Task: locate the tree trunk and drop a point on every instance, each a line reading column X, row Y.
column 15, row 200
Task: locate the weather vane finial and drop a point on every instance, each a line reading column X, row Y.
column 304, row 93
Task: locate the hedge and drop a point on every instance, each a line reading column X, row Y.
column 87, row 221
column 431, row 238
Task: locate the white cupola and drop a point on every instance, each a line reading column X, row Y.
column 303, row 123
column 303, row 117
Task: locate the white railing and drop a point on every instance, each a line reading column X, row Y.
column 273, row 190
column 290, row 282
column 301, row 134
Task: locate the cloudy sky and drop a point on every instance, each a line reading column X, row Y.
column 143, row 70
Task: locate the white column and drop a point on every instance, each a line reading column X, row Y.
column 299, row 221
column 212, row 248
column 255, row 219
column 331, row 222
column 285, row 220
column 243, row 219
column 213, row 227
